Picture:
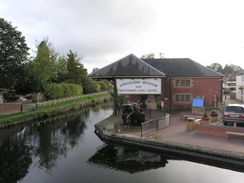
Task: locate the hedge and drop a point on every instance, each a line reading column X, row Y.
column 62, row 90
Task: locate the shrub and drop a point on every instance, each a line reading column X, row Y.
column 63, row 90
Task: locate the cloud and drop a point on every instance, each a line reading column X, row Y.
column 103, row 31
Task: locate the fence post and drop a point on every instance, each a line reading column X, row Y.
column 141, row 131
column 157, row 125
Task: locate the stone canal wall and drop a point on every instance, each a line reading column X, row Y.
column 174, row 148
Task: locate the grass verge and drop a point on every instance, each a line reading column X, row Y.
column 44, row 111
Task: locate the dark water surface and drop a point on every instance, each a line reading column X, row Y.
column 66, row 150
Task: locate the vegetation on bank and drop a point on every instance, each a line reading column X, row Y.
column 61, row 90
column 48, row 111
column 42, row 70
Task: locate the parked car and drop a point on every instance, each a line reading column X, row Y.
column 28, row 96
column 234, row 113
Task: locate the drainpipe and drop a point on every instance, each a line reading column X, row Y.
column 221, row 95
column 170, row 104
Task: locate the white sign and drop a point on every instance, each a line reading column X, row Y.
column 139, row 86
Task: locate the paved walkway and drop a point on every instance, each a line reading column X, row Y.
column 177, row 132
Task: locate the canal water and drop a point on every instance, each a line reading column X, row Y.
column 65, row 149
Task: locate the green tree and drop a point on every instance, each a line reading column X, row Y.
column 92, row 87
column 13, row 54
column 229, row 68
column 62, row 70
column 105, row 85
column 95, row 69
column 148, row 56
column 152, row 56
column 43, row 68
column 76, row 71
column 216, row 66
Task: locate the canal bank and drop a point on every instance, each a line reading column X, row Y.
column 175, row 139
column 53, row 110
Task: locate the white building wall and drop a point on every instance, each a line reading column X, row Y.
column 239, row 85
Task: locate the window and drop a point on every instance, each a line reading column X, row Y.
column 177, row 98
column 187, row 98
column 182, row 98
column 177, row 82
column 182, row 82
column 188, row 82
column 235, row 109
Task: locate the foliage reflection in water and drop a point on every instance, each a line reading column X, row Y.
column 66, row 149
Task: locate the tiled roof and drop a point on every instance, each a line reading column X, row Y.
column 240, row 73
column 132, row 66
column 182, row 67
column 127, row 66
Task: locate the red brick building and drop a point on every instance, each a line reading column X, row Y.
column 171, row 83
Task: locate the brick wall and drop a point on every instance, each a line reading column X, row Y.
column 216, row 130
column 207, row 87
column 10, row 108
column 132, row 98
column 232, row 95
column 204, row 87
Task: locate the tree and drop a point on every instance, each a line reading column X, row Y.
column 148, row 56
column 76, row 72
column 231, row 68
column 62, row 70
column 95, row 69
column 43, row 68
column 13, row 54
column 92, row 87
column 216, row 66
column 152, row 55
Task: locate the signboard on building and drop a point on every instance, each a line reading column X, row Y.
column 139, row 86
column 197, row 102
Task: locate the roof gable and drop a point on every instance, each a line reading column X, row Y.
column 127, row 66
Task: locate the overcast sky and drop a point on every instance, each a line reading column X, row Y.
column 103, row 31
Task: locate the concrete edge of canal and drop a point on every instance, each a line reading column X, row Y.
column 231, row 158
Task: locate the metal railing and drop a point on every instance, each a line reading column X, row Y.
column 155, row 124
column 156, row 120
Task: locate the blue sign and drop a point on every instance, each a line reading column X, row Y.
column 197, row 102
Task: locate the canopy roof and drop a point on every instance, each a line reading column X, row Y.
column 129, row 66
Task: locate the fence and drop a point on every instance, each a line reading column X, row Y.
column 156, row 119
column 27, row 107
column 155, row 124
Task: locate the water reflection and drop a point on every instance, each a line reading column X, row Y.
column 54, row 140
column 133, row 160
column 43, row 140
column 126, row 159
column 15, row 158
column 66, row 149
